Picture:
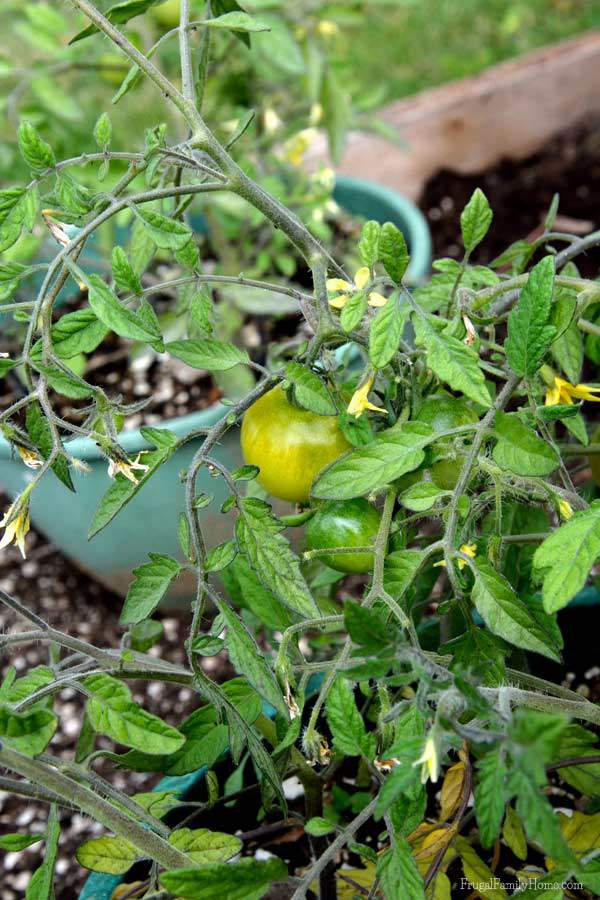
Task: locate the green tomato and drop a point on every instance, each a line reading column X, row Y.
column 444, row 413
column 344, row 523
column 167, row 14
column 289, row 445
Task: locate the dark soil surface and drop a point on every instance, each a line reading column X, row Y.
column 520, row 194
column 137, row 373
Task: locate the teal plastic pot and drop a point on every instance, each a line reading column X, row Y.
column 149, row 522
column 374, row 201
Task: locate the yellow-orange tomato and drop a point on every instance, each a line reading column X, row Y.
column 289, row 445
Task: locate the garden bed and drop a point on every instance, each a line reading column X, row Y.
column 520, row 194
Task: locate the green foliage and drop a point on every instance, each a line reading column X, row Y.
column 529, row 334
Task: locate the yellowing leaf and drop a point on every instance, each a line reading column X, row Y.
column 431, row 845
column 478, row 873
column 365, row 877
column 581, row 832
column 513, row 833
column 441, row 888
column 452, row 790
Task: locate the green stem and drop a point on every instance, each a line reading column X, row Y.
column 148, row 843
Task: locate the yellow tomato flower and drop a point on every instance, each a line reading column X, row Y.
column 271, row 121
column 126, row 468
column 360, row 399
column 565, row 510
column 429, row 761
column 562, row 391
column 326, row 28
column 297, row 146
column 316, row 114
column 15, row 529
column 361, row 279
column 468, row 550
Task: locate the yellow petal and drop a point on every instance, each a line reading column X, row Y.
column 338, row 284
column 377, row 300
column 362, row 277
column 369, row 405
column 553, row 395
column 339, row 302
column 585, row 392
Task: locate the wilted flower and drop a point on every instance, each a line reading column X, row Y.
column 470, row 328
column 315, row 748
column 15, row 528
column 31, row 459
column 126, row 468
column 360, row 399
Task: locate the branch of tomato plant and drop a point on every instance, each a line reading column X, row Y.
column 463, row 479
column 33, row 792
column 204, row 139
column 185, row 53
column 574, row 761
column 330, row 854
column 583, row 709
column 198, row 544
column 146, row 841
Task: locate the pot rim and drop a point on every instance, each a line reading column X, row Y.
column 133, row 441
column 408, row 212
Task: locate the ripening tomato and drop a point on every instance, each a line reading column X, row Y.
column 443, row 413
column 344, row 523
column 289, row 445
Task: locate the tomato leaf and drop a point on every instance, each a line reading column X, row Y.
column 112, row 855
column 451, row 360
column 151, row 582
column 529, row 334
column 507, row 615
column 393, row 453
column 215, row 356
column 309, row 390
column 566, row 557
column 270, row 555
column 519, row 449
column 475, row 219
